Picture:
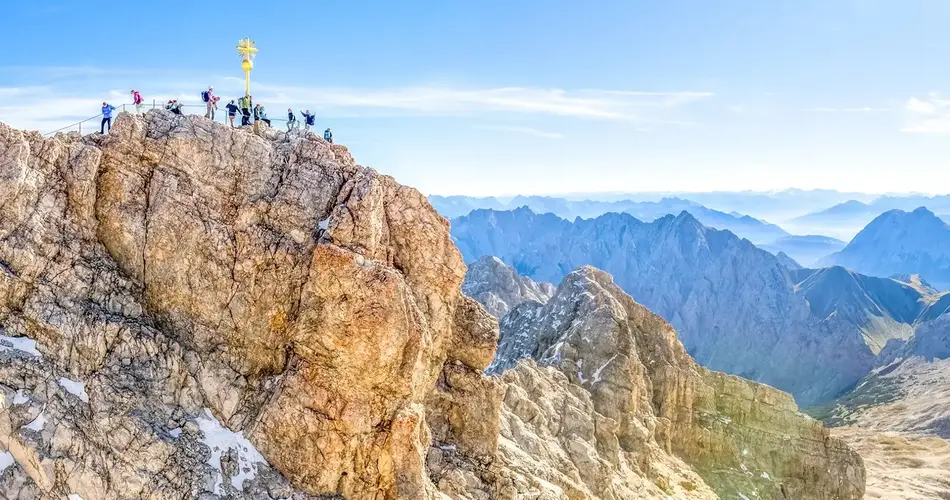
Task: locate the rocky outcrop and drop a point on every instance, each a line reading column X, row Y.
column 499, row 288
column 735, row 306
column 621, row 407
column 199, row 281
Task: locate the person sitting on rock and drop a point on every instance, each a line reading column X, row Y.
column 291, row 120
column 232, row 111
column 328, row 136
column 174, row 106
column 309, row 119
column 262, row 115
column 107, row 110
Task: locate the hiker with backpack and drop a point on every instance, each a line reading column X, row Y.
column 138, row 101
column 246, row 104
column 291, row 120
column 107, row 110
column 232, row 110
column 328, row 136
column 308, row 119
column 208, row 97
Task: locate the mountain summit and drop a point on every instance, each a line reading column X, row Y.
column 899, row 242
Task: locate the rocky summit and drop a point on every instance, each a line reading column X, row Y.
column 500, row 288
column 194, row 311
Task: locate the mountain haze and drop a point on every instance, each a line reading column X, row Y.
column 899, row 242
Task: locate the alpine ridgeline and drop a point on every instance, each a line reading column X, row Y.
column 735, row 306
column 192, row 311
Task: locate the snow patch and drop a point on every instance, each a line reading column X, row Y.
column 324, row 224
column 6, row 460
column 37, row 424
column 22, row 344
column 743, row 497
column 765, row 475
column 220, row 439
column 725, row 420
column 175, row 432
column 73, row 496
column 75, row 388
column 19, row 398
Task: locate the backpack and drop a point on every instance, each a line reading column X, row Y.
column 204, row 96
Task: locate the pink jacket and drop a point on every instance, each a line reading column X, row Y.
column 136, row 98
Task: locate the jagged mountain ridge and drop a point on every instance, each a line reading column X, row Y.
column 742, row 225
column 734, row 305
column 898, row 242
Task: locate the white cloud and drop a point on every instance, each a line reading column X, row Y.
column 448, row 100
column 865, row 109
column 70, row 94
column 522, row 130
column 929, row 115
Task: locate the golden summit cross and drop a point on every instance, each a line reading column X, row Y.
column 247, row 50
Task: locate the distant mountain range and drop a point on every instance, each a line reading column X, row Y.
column 739, row 309
column 899, row 242
column 744, row 226
column 847, row 218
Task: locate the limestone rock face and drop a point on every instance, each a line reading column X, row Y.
column 206, row 283
column 500, row 288
column 627, row 398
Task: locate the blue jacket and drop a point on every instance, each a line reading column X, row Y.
column 327, row 135
column 310, row 118
column 107, row 111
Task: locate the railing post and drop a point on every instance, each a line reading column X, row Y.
column 80, row 128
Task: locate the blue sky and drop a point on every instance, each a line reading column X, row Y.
column 501, row 97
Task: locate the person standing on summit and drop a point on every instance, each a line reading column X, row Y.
column 291, row 120
column 107, row 110
column 328, row 136
column 308, row 119
column 232, row 110
column 208, row 97
column 246, row 104
column 138, row 101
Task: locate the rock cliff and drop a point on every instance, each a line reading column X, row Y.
column 200, row 281
column 191, row 311
column 619, row 395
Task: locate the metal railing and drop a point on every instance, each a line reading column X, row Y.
column 220, row 115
